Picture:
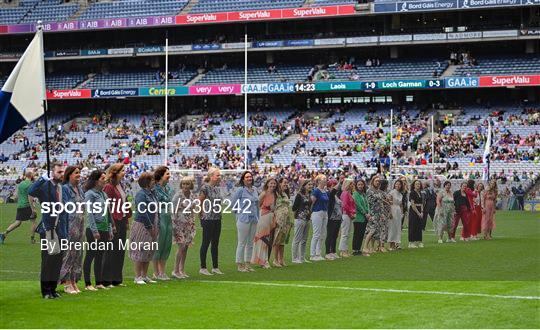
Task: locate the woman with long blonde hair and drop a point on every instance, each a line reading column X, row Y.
column 263, row 236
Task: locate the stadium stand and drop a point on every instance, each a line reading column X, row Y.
column 501, row 65
column 132, row 8
column 238, row 5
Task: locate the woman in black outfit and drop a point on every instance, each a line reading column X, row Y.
column 334, row 220
column 416, row 215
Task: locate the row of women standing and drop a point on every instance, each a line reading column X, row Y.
column 265, row 222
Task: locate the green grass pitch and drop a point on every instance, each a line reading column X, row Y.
column 493, row 284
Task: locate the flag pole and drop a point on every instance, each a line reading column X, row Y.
column 166, row 97
column 45, row 105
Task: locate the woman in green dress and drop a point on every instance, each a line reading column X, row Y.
column 164, row 194
column 283, row 219
column 444, row 215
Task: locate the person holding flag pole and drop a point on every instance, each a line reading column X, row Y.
column 22, row 101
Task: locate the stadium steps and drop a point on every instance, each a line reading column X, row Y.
column 308, row 3
column 450, row 69
column 86, row 81
column 83, row 6
column 187, row 8
column 195, row 79
column 282, row 143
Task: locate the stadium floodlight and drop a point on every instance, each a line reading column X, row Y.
column 462, row 28
column 448, row 29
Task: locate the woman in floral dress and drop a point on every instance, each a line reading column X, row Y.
column 183, row 224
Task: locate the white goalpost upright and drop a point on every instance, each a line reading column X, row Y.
column 245, row 103
column 165, row 162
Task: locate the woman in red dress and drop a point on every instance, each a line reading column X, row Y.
column 479, row 206
column 467, row 231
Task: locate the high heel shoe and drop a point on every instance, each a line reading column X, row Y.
column 276, row 264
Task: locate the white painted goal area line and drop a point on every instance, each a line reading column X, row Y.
column 346, row 288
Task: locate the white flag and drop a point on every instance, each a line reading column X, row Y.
column 21, row 97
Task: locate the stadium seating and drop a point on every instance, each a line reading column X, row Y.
column 49, row 11
column 333, row 2
column 63, row 81
column 393, row 69
column 256, row 75
column 137, row 79
column 501, row 65
column 237, row 5
column 133, row 8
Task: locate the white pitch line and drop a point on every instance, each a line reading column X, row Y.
column 444, row 293
column 17, row 271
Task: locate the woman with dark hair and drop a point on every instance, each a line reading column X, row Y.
column 145, row 229
column 245, row 205
column 361, row 218
column 405, row 205
column 117, row 193
column 302, row 213
column 416, row 215
column 396, row 209
column 183, row 223
column 72, row 261
column 463, row 211
column 283, row 220
column 164, row 194
column 99, row 228
column 263, row 235
column 387, row 215
column 335, row 215
column 376, row 199
column 445, row 212
column 467, row 233
column 476, row 226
